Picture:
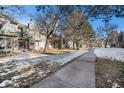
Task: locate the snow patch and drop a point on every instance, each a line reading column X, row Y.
column 23, row 75
column 17, row 69
column 111, row 53
column 5, row 83
column 21, row 56
column 116, row 85
column 70, row 57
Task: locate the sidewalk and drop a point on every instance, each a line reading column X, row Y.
column 80, row 73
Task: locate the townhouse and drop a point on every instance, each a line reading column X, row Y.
column 121, row 39
column 15, row 36
column 117, row 39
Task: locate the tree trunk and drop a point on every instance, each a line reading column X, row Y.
column 60, row 43
column 73, row 45
column 45, row 46
column 106, row 44
column 77, row 44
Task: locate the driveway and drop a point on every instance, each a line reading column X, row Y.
column 80, row 73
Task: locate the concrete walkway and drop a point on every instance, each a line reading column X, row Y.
column 80, row 73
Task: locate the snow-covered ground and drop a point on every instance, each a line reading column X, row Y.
column 110, row 53
column 19, row 69
column 33, row 59
column 20, row 56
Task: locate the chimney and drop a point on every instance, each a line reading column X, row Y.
column 28, row 25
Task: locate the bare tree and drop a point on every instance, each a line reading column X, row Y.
column 12, row 9
column 49, row 19
column 72, row 25
column 106, row 31
column 78, row 28
column 47, row 24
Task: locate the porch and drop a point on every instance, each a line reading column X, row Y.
column 12, row 43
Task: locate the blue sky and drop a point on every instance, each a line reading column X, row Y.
column 118, row 21
column 96, row 23
column 24, row 18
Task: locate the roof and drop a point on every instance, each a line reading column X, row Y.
column 7, row 17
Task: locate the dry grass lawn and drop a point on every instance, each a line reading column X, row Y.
column 57, row 51
column 54, row 51
column 109, row 73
